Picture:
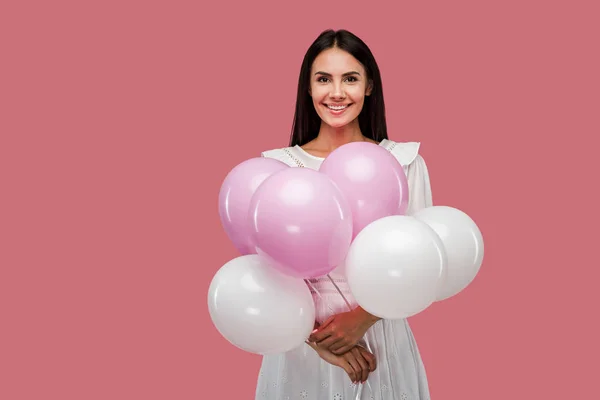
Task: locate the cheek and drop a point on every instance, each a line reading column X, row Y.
column 318, row 94
column 357, row 94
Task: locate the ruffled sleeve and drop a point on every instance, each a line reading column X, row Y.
column 419, row 185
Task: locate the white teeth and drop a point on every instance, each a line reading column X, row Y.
column 336, row 108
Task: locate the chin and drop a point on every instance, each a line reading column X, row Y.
column 339, row 123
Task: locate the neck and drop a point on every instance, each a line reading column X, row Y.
column 330, row 138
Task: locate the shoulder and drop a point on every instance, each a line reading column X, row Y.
column 274, row 153
column 406, row 153
column 284, row 154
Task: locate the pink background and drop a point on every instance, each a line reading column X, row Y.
column 120, row 120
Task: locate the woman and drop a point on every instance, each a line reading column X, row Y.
column 351, row 354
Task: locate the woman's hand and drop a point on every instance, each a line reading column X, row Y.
column 358, row 363
column 341, row 332
column 361, row 361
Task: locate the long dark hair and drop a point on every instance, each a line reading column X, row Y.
column 372, row 116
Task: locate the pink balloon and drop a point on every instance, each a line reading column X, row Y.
column 301, row 223
column 371, row 179
column 235, row 195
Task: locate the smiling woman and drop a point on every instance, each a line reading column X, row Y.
column 338, row 96
column 352, row 354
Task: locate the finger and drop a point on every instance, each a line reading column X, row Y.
column 350, row 371
column 328, row 342
column 317, row 333
column 320, row 334
column 355, row 366
column 341, row 348
column 370, row 359
column 364, row 365
column 317, row 336
column 342, row 342
column 327, row 322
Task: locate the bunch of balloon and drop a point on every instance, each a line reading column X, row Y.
column 289, row 224
column 398, row 264
column 292, row 224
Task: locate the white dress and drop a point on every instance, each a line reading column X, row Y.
column 400, row 374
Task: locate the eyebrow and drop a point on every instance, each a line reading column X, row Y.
column 345, row 74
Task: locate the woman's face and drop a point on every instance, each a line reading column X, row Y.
column 338, row 86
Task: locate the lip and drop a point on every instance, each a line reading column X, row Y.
column 338, row 112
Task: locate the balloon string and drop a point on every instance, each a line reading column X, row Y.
column 350, row 309
column 340, row 292
column 309, row 283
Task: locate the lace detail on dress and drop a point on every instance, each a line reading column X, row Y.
column 293, row 157
column 391, row 146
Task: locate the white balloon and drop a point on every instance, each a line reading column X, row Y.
column 463, row 243
column 395, row 267
column 258, row 309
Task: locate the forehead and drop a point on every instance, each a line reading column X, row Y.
column 336, row 61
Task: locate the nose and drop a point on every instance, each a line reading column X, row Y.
column 337, row 91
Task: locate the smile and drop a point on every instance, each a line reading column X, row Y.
column 337, row 110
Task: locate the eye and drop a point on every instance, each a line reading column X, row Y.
column 320, row 79
column 352, row 79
